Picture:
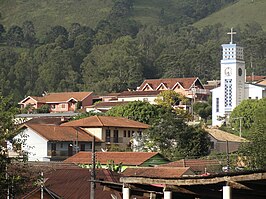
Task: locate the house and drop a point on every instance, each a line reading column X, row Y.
column 59, row 102
column 71, row 183
column 199, row 166
column 221, row 139
column 51, row 142
column 189, row 87
column 114, row 131
column 128, row 159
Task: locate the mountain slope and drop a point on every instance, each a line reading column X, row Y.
column 47, row 13
column 238, row 14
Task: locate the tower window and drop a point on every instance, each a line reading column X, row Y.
column 217, row 104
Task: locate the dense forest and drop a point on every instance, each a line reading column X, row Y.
column 120, row 52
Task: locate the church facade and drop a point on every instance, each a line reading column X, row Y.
column 233, row 88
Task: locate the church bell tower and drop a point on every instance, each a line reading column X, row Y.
column 232, row 89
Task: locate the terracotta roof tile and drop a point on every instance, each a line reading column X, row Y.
column 186, row 83
column 106, row 121
column 60, row 97
column 60, row 133
column 127, row 158
column 224, row 136
column 254, row 78
column 196, row 165
column 158, row 172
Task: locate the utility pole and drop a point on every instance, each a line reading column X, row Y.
column 240, row 124
column 92, row 193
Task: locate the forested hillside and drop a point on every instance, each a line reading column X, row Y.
column 238, row 14
column 120, row 50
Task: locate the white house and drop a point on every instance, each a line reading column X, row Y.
column 50, row 142
column 233, row 88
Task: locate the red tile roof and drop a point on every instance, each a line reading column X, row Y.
column 60, row 97
column 139, row 93
column 195, row 164
column 186, row 83
column 254, row 78
column 60, row 133
column 158, row 172
column 106, row 121
column 47, row 120
column 127, row 158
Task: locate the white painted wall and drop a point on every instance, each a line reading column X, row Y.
column 139, row 98
column 34, row 145
column 254, row 92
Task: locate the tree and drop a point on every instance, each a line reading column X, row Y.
column 253, row 152
column 203, row 109
column 138, row 110
column 15, row 36
column 248, row 110
column 55, row 32
column 172, row 137
column 168, row 98
column 9, row 178
column 113, row 67
column 29, row 33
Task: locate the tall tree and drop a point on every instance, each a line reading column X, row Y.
column 15, row 36
column 113, row 67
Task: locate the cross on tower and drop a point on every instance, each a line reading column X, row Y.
column 231, row 33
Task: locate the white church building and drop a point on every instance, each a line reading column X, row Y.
column 233, row 88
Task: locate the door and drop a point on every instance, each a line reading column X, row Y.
column 70, row 150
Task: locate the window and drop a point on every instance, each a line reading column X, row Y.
column 107, row 135
column 63, row 105
column 82, row 147
column 115, row 136
column 212, row 145
column 133, row 133
column 228, row 93
column 125, row 133
column 128, row 134
column 53, row 106
column 61, row 145
column 145, row 100
column 217, row 104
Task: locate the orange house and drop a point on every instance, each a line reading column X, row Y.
column 59, row 102
column 189, row 87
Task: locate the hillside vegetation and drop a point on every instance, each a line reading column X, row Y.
column 126, row 45
column 48, row 13
column 238, row 14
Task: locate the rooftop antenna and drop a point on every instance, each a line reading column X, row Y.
column 231, row 33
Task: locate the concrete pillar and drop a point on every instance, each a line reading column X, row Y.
column 167, row 194
column 126, row 193
column 227, row 192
